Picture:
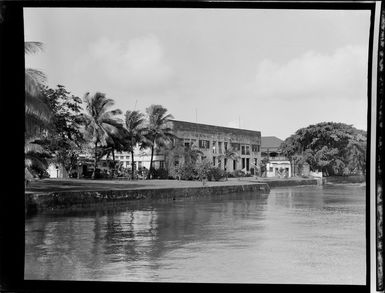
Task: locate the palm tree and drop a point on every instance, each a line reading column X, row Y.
column 158, row 133
column 37, row 112
column 134, row 133
column 99, row 122
column 229, row 154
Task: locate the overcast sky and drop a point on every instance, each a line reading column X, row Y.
column 274, row 71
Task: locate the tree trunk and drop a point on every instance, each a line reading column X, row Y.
column 95, row 161
column 132, row 165
column 152, row 157
column 113, row 163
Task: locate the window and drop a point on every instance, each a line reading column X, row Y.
column 271, row 169
column 247, row 150
column 243, row 152
column 255, row 148
column 236, row 146
column 161, row 164
column 127, row 157
column 247, row 164
column 225, row 163
column 225, row 145
column 256, row 162
column 220, row 147
column 213, row 161
column 234, row 165
column 214, row 147
column 243, row 163
column 204, row 144
column 186, row 144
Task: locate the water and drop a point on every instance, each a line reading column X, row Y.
column 307, row 235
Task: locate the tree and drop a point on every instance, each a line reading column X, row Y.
column 135, row 134
column 229, row 154
column 158, row 133
column 64, row 140
column 333, row 148
column 182, row 160
column 99, row 122
column 37, row 113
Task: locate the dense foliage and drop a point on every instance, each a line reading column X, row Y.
column 333, row 148
column 64, row 140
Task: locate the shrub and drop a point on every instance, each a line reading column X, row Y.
column 159, row 173
column 216, row 174
column 238, row 173
column 202, row 169
column 184, row 172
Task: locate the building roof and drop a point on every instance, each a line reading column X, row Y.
column 270, row 142
column 192, row 126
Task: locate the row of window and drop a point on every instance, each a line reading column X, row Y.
column 244, row 161
column 217, row 147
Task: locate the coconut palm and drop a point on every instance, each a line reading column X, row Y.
column 135, row 134
column 99, row 122
column 158, row 132
column 229, row 154
column 37, row 112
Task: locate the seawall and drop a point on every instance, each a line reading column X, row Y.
column 37, row 202
column 290, row 182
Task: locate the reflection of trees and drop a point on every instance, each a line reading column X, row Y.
column 83, row 244
column 303, row 197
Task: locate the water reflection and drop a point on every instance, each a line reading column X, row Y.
column 295, row 235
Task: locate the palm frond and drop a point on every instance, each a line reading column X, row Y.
column 34, row 80
column 33, row 47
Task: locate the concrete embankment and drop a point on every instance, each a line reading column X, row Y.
column 290, row 182
column 36, row 202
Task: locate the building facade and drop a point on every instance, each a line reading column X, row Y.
column 277, row 164
column 215, row 141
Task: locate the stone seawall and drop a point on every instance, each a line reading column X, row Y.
column 36, row 202
column 291, row 182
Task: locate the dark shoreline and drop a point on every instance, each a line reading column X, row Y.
column 37, row 201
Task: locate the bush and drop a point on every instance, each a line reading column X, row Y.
column 216, row 174
column 159, row 173
column 238, row 173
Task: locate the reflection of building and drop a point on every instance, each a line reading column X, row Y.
column 278, row 165
column 214, row 141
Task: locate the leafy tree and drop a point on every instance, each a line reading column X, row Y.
column 333, row 148
column 99, row 122
column 64, row 140
column 135, row 134
column 158, row 133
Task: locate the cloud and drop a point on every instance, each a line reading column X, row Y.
column 138, row 64
column 342, row 74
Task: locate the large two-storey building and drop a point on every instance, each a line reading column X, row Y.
column 214, row 141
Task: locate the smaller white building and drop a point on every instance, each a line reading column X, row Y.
column 279, row 169
column 56, row 170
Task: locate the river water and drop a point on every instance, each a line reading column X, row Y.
column 302, row 235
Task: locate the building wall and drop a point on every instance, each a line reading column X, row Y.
column 212, row 141
column 273, row 169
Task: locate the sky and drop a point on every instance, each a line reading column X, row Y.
column 273, row 71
